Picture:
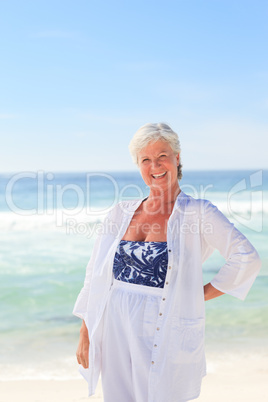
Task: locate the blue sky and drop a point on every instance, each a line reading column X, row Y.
column 78, row 78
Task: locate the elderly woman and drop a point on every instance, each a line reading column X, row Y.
column 143, row 300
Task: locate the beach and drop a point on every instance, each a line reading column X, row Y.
column 43, row 258
column 232, row 378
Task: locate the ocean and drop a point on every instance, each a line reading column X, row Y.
column 48, row 224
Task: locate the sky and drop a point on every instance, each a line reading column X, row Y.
column 78, row 78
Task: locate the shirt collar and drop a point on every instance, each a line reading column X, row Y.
column 180, row 198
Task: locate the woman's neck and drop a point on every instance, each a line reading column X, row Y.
column 162, row 200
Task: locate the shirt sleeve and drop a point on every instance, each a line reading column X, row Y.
column 80, row 307
column 242, row 264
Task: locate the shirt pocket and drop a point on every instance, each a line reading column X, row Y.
column 187, row 340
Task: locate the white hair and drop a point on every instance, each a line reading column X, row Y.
column 152, row 132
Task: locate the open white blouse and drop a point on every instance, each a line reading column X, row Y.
column 195, row 228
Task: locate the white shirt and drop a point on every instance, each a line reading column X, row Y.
column 195, row 228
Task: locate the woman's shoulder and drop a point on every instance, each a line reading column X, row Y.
column 202, row 207
column 196, row 203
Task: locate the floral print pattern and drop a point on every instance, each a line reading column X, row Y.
column 142, row 263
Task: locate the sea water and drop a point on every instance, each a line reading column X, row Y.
column 49, row 222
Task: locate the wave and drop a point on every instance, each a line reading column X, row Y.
column 52, row 221
column 58, row 220
column 64, row 369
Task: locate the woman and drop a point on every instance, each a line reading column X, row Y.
column 143, row 300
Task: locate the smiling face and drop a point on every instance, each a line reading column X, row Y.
column 158, row 165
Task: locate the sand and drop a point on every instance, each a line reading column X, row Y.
column 240, row 378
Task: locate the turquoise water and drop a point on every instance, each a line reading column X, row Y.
column 48, row 224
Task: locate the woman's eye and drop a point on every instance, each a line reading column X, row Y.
column 145, row 160
column 162, row 156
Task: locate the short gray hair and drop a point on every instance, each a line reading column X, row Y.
column 152, row 132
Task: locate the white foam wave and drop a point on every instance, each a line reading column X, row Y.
column 60, row 370
column 57, row 220
column 52, row 222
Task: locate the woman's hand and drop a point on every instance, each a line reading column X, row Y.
column 83, row 346
column 210, row 292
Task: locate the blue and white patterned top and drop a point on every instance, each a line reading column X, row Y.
column 142, row 263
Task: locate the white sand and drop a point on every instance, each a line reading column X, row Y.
column 230, row 378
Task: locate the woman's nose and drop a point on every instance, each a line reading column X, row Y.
column 155, row 163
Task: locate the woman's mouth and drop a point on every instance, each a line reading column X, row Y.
column 159, row 175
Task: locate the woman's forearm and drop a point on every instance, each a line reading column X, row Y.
column 210, row 292
column 83, row 329
column 83, row 346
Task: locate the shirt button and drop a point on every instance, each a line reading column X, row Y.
column 164, row 298
column 169, row 267
column 152, row 362
column 166, row 283
column 157, row 328
column 160, row 313
column 155, row 346
column 169, row 251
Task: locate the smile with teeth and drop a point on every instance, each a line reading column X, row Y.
column 158, row 176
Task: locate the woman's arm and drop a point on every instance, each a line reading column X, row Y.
column 83, row 346
column 210, row 292
column 242, row 262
